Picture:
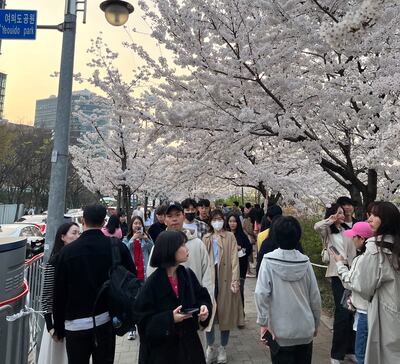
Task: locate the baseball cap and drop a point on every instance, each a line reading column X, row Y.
column 174, row 205
column 361, row 228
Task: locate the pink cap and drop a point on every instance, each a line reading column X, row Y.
column 361, row 228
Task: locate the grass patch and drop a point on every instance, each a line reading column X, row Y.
column 312, row 245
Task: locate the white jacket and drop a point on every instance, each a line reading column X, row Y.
column 347, row 276
column 376, row 281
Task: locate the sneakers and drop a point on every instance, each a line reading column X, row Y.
column 221, row 355
column 211, row 355
column 351, row 358
column 131, row 335
column 335, row 361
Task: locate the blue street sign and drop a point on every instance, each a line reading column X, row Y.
column 18, row 24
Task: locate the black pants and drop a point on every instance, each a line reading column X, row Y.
column 298, row 354
column 343, row 338
column 80, row 345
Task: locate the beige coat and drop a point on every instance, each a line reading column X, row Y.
column 228, row 308
column 347, row 251
column 376, row 279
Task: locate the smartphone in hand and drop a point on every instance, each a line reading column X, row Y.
column 188, row 311
column 334, row 250
column 271, row 342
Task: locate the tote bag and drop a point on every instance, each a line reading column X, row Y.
column 52, row 351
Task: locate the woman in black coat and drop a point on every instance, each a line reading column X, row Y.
column 168, row 334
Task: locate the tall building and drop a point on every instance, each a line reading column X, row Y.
column 46, row 109
column 3, row 78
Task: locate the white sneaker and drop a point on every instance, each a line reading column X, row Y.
column 221, row 355
column 211, row 355
column 351, row 358
column 335, row 361
column 131, row 335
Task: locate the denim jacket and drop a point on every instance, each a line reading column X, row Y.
column 146, row 244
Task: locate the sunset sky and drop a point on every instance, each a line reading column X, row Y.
column 29, row 64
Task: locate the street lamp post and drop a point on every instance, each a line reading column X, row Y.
column 117, row 13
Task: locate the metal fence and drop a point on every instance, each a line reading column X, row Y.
column 9, row 213
column 33, row 274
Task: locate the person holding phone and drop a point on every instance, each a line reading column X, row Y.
column 171, row 306
column 331, row 230
column 139, row 245
column 360, row 232
column 377, row 280
column 287, row 297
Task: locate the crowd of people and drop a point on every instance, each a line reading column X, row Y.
column 192, row 262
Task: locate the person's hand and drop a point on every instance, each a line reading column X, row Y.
column 316, row 332
column 235, row 286
column 178, row 316
column 203, row 315
column 263, row 329
column 54, row 336
column 137, row 235
column 337, row 257
column 333, row 217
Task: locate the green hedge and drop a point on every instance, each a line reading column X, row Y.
column 312, row 247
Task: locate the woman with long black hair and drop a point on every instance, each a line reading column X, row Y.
column 51, row 350
column 377, row 279
column 245, row 248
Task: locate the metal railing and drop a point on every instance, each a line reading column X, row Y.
column 33, row 275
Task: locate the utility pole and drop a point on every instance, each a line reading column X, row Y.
column 59, row 157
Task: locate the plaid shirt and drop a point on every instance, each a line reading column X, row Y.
column 202, row 228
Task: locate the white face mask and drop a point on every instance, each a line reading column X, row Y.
column 217, row 225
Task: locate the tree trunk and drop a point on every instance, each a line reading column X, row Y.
column 356, row 196
column 126, row 202
column 146, row 203
column 372, row 188
column 119, row 199
column 363, row 197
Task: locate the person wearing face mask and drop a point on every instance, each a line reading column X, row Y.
column 228, row 310
column 197, row 227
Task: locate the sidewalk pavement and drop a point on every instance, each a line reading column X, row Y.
column 244, row 346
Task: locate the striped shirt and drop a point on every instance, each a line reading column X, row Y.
column 48, row 288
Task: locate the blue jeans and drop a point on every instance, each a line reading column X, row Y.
column 361, row 337
column 210, row 336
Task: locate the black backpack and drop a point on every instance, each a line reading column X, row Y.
column 121, row 289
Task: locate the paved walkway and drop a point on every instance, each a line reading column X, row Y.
column 244, row 346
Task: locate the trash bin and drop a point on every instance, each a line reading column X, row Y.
column 14, row 343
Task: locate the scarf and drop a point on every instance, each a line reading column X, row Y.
column 138, row 259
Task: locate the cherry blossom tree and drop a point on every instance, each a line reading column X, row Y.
column 319, row 77
column 117, row 155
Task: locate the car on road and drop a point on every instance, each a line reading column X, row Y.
column 34, row 238
column 39, row 220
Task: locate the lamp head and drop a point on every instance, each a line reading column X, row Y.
column 116, row 11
